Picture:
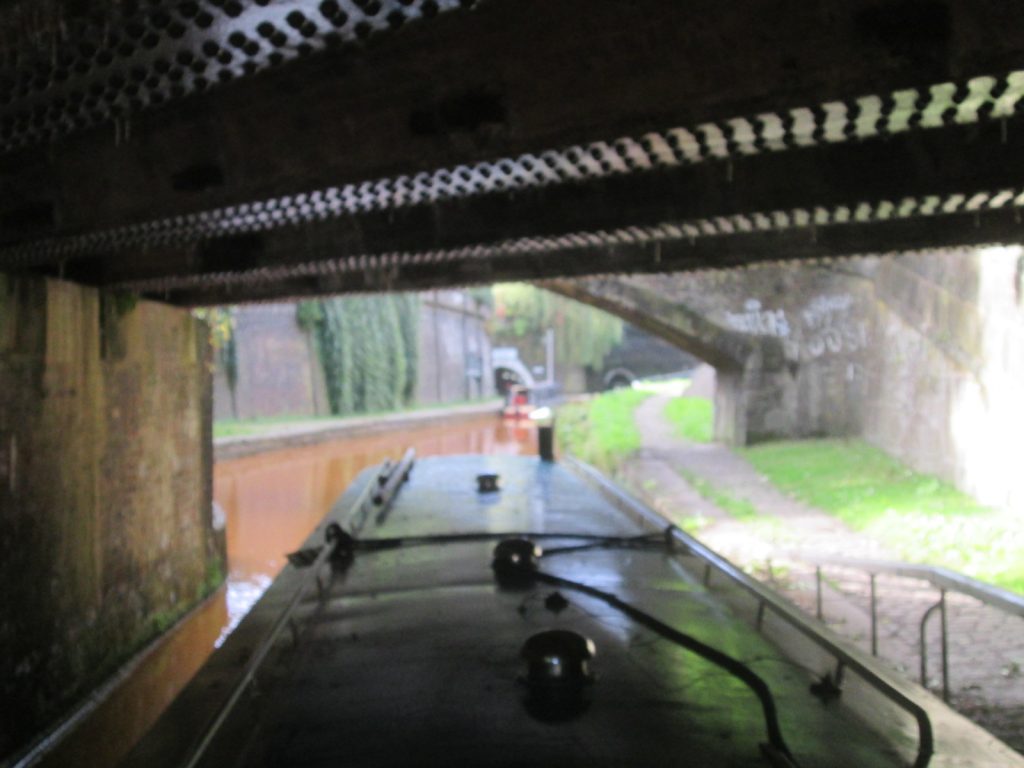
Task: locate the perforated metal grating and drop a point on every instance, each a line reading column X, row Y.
column 865, row 118
column 694, row 230
column 106, row 69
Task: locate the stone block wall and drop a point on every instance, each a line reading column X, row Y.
column 788, row 342
column 946, row 374
column 921, row 354
column 106, row 534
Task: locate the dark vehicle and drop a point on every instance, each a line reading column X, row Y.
column 511, row 611
column 638, row 356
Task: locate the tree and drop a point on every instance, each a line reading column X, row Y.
column 523, row 312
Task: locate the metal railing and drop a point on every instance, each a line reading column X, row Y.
column 942, row 579
column 377, row 494
column 766, row 600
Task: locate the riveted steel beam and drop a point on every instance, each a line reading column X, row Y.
column 721, row 251
column 462, row 89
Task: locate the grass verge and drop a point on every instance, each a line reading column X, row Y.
column 239, row 427
column 920, row 517
column 692, row 418
column 601, row 431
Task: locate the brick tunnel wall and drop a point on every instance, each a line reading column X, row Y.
column 106, row 534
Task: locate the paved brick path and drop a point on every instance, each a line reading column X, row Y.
column 986, row 646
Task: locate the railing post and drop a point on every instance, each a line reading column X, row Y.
column 874, row 619
column 945, row 646
column 546, row 441
column 922, row 644
column 817, row 590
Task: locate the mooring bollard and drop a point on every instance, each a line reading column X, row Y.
column 544, row 418
column 546, row 441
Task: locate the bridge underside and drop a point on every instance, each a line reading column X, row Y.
column 221, row 151
column 214, row 152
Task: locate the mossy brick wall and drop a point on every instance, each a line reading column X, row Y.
column 106, row 534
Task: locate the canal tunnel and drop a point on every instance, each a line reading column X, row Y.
column 156, row 157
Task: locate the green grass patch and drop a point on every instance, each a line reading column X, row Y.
column 601, row 431
column 741, row 509
column 239, row 427
column 693, row 418
column 922, row 518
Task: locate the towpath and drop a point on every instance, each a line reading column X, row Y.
column 677, row 477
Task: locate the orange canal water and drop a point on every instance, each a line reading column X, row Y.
column 271, row 502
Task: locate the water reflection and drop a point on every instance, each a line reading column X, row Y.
column 271, row 501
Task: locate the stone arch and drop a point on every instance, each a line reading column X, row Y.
column 736, row 357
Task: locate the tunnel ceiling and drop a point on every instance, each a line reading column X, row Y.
column 230, row 150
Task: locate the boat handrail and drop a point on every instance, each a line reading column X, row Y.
column 766, row 599
column 380, row 489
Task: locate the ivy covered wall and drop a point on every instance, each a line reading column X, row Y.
column 368, row 349
column 352, row 354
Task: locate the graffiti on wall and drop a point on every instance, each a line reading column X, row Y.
column 759, row 321
column 831, row 325
column 827, row 325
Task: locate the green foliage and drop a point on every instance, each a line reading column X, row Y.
column 601, row 431
column 409, row 323
column 308, row 314
column 522, row 313
column 376, row 389
column 229, row 358
column 368, row 346
column 922, row 518
column 221, row 322
column 123, row 302
column 215, row 576
column 693, row 418
column 396, row 354
column 335, row 344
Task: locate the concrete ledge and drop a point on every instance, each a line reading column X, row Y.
column 313, row 432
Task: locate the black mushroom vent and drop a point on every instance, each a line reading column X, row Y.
column 558, row 674
column 515, row 561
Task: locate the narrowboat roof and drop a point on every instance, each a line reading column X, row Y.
column 411, row 653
